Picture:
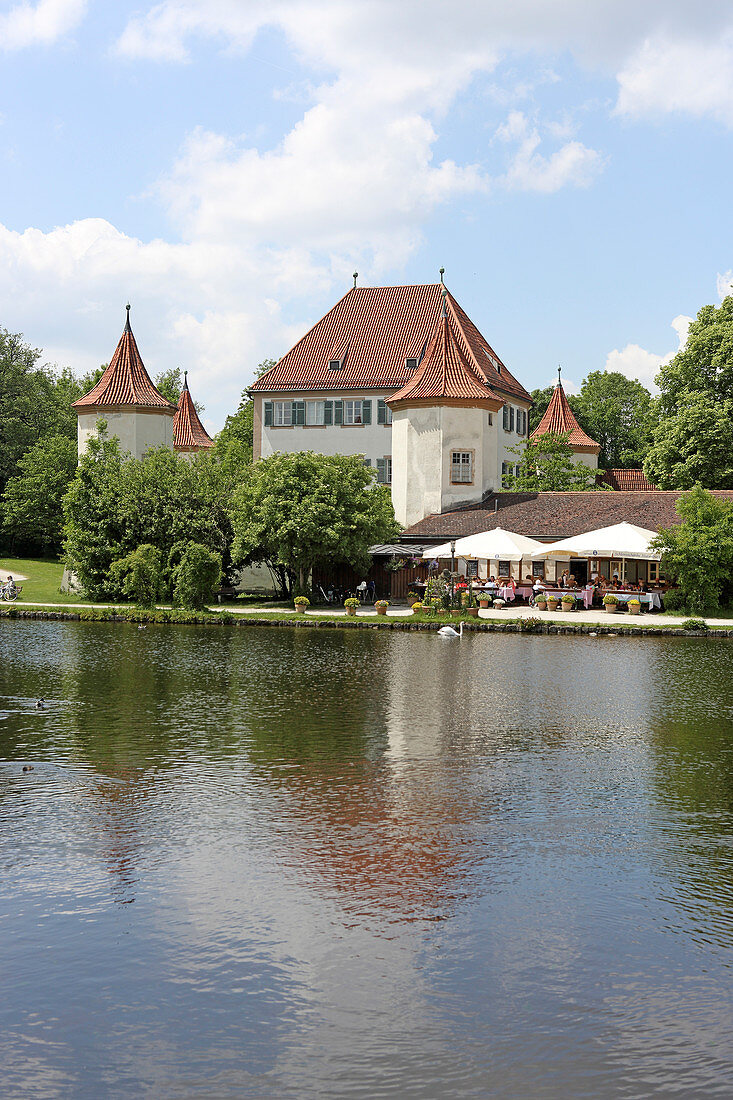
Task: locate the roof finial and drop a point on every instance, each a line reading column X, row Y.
column 442, row 273
column 559, row 369
column 356, row 276
column 127, row 322
column 185, row 380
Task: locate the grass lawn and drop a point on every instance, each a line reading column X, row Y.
column 44, row 579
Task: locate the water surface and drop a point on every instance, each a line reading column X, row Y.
column 278, row 863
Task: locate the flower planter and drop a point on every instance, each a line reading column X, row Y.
column 351, row 611
column 552, row 604
column 300, row 608
column 483, row 604
column 381, row 611
column 567, row 606
column 456, row 611
column 472, row 611
column 417, row 608
column 634, row 610
column 611, row 607
column 541, row 604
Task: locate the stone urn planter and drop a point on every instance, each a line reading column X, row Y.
column 301, row 602
column 634, row 607
column 498, row 604
column 484, row 604
column 552, row 604
column 567, row 605
column 610, row 604
column 472, row 611
column 381, row 610
column 541, row 604
column 351, row 611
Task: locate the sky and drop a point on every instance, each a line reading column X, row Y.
column 226, row 165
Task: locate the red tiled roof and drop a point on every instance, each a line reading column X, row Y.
column 629, row 480
column 559, row 418
column 125, row 382
column 381, row 327
column 555, row 515
column 444, row 372
column 188, row 431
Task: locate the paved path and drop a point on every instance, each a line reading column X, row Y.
column 597, row 616
column 16, row 576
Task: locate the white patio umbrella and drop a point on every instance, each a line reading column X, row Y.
column 621, row 540
column 489, row 545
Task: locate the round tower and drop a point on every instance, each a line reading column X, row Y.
column 559, row 419
column 189, row 434
column 126, row 398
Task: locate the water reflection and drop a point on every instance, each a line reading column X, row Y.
column 324, row 863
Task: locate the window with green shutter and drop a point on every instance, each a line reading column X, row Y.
column 381, row 411
column 328, row 412
column 338, row 412
column 366, row 412
column 268, row 414
column 506, row 418
column 298, row 413
column 381, row 470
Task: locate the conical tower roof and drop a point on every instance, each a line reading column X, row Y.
column 125, row 383
column 560, row 420
column 446, row 375
column 189, row 434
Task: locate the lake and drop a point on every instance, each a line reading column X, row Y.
column 276, row 863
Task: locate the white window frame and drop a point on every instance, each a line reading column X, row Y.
column 462, row 466
column 352, row 411
column 282, row 414
column 315, row 409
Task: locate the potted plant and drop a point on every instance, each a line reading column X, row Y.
column 412, row 598
column 634, row 607
column 552, row 602
column 416, row 607
column 498, row 604
column 484, row 601
column 568, row 601
column 301, row 602
column 436, row 604
column 381, row 606
column 351, row 605
column 541, row 601
column 610, row 602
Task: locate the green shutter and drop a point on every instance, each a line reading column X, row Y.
column 381, row 411
column 328, row 412
column 367, row 461
column 511, row 418
column 338, row 412
column 381, row 470
column 268, row 414
column 298, row 413
column 506, row 418
column 366, row 412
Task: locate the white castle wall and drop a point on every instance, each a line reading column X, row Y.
column 137, row 430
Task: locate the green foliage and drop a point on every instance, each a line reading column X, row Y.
column 530, row 625
column 197, row 576
column 138, row 575
column 694, row 624
column 698, row 552
column 541, row 399
column 305, row 509
column 32, row 504
column 693, row 439
column 674, row 600
column 351, row 601
column 169, row 383
column 116, row 503
column 303, row 601
column 615, row 411
column 549, row 464
column 233, row 444
column 610, row 600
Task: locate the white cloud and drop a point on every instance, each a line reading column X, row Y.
column 573, row 164
column 39, row 24
column 725, row 284
column 693, row 76
column 638, row 363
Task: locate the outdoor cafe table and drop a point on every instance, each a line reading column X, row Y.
column 651, row 599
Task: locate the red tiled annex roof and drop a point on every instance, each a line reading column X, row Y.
column 189, row 434
column 125, row 383
column 445, row 372
column 381, row 327
column 630, row 480
column 554, row 515
column 560, row 419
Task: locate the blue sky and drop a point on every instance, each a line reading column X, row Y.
column 227, row 164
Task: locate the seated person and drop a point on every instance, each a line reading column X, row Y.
column 571, row 581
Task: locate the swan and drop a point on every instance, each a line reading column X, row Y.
column 449, row 632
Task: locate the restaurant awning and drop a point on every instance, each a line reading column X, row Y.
column 622, row 540
column 497, row 545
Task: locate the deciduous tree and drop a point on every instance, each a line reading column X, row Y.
column 698, row 553
column 32, row 504
column 548, row 464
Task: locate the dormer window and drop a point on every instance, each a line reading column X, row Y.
column 335, row 364
column 411, row 363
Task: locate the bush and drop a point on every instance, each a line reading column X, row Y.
column 674, row 600
column 138, row 576
column 530, row 625
column 198, row 574
column 694, row 624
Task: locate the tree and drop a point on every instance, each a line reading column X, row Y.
column 695, row 402
column 694, row 446
column 615, row 411
column 94, row 535
column 169, row 383
column 306, row 509
column 698, row 553
column 32, row 504
column 235, row 440
column 540, row 400
column 196, row 577
column 138, row 575
column 548, row 464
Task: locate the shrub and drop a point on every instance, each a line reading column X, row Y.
column 674, row 600
column 530, row 625
column 694, row 624
column 138, row 576
column 351, row 602
column 196, row 577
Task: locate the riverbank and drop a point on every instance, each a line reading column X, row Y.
column 530, row 622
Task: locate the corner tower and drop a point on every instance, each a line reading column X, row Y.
column 444, row 430
column 189, row 434
column 126, row 398
column 559, row 419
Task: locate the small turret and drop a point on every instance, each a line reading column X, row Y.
column 560, row 420
column 189, row 434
